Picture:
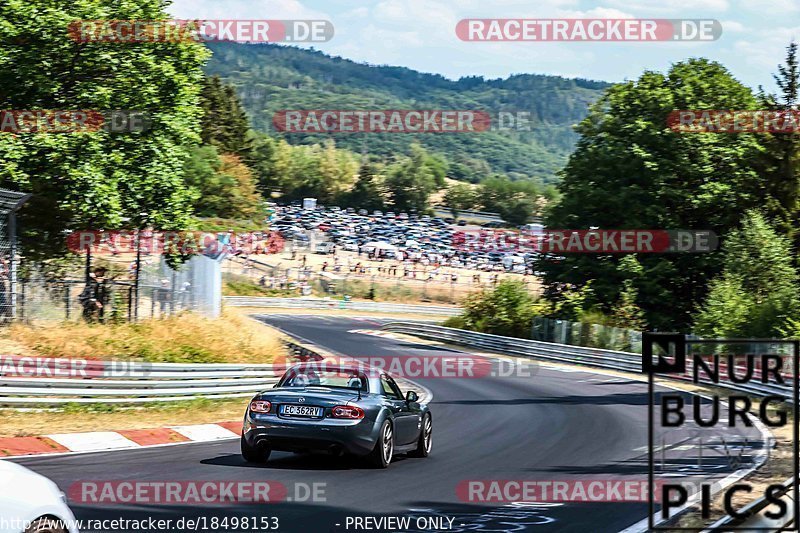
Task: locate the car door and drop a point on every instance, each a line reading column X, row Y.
column 406, row 420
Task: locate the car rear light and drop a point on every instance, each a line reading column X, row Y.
column 260, row 406
column 347, row 411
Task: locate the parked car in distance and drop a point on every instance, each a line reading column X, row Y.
column 325, row 248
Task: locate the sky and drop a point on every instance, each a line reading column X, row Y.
column 420, row 34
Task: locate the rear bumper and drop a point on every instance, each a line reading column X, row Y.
column 357, row 437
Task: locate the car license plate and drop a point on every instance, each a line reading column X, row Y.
column 301, row 410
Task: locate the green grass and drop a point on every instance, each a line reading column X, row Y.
column 236, row 285
column 228, row 224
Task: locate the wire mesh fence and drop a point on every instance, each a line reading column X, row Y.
column 389, row 281
column 583, row 334
column 161, row 291
column 10, row 202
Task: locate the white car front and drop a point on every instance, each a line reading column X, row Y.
column 28, row 499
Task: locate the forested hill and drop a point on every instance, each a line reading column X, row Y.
column 272, row 77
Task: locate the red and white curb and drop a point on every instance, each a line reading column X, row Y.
column 117, row 440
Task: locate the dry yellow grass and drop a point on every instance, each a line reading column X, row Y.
column 185, row 338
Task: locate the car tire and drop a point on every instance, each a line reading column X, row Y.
column 381, row 454
column 254, row 454
column 47, row 525
column 425, row 438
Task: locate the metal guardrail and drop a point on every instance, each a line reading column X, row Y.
column 137, row 383
column 611, row 360
column 562, row 353
column 141, row 383
column 325, row 303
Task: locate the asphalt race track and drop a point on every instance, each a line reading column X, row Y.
column 555, row 425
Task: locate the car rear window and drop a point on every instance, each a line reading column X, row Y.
column 326, row 378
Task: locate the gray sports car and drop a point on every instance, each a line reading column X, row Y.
column 347, row 409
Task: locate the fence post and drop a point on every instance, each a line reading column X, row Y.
column 172, row 295
column 106, row 303
column 66, row 300
column 138, row 273
column 22, row 302
column 87, row 269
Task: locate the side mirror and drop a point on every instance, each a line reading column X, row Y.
column 411, row 396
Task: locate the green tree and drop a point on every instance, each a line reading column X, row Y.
column 337, row 169
column 577, row 304
column 782, row 151
column 411, row 180
column 627, row 313
column 263, row 163
column 460, row 197
column 96, row 179
column 631, row 171
column 367, row 192
column 225, row 124
column 757, row 291
column 518, row 210
column 226, row 186
column 243, row 200
column 727, row 309
column 514, row 201
column 508, row 310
